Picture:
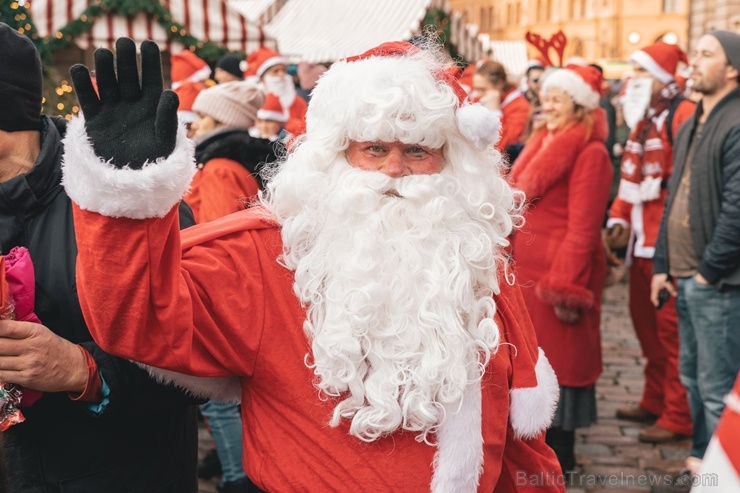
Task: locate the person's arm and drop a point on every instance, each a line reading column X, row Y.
column 140, row 300
column 721, row 256
column 566, row 283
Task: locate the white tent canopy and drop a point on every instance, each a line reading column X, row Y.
column 327, row 30
column 259, row 12
column 206, row 20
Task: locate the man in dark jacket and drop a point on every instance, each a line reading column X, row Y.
column 102, row 424
column 699, row 239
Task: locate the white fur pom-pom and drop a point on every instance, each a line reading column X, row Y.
column 479, row 124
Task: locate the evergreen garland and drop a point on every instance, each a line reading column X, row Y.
column 439, row 20
column 58, row 95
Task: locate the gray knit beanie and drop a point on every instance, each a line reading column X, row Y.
column 730, row 42
column 233, row 103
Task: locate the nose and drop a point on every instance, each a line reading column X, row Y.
column 394, row 165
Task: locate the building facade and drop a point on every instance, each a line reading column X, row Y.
column 707, row 15
column 597, row 30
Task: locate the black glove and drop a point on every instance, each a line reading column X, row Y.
column 130, row 123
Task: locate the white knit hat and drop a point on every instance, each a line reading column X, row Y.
column 583, row 84
column 232, row 103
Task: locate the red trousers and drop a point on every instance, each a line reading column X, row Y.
column 657, row 331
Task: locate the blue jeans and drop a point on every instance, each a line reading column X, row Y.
column 225, row 423
column 709, row 353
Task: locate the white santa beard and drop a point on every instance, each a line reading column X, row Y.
column 283, row 87
column 399, row 294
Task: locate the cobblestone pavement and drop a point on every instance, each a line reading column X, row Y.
column 611, row 458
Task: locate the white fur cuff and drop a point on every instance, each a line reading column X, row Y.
column 223, row 389
column 532, row 409
column 98, row 186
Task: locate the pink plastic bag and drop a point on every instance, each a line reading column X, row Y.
column 17, row 298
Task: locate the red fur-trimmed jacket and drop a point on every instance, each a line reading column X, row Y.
column 558, row 253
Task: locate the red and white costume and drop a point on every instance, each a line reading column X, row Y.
column 214, row 310
column 558, row 253
column 639, row 205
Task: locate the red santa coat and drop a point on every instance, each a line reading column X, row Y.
column 220, row 188
column 644, row 218
column 173, row 304
column 514, row 118
column 558, row 253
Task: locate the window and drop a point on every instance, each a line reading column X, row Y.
column 482, row 20
column 670, row 5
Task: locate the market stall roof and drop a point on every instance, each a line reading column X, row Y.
column 259, row 12
column 206, row 20
column 328, row 30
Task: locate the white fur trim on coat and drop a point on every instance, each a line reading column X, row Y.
column 532, row 409
column 98, row 186
column 459, row 458
column 224, row 389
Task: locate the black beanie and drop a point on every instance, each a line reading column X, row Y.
column 231, row 63
column 20, row 82
column 731, row 44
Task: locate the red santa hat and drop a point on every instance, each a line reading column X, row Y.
column 262, row 59
column 272, row 109
column 187, row 92
column 582, row 83
column 660, row 60
column 186, row 66
column 475, row 122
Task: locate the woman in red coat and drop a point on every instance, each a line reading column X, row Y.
column 565, row 172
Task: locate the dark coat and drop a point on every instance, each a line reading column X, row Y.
column 714, row 196
column 145, row 440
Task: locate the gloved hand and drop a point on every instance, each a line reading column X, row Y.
column 129, row 123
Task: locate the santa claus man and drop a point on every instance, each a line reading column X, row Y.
column 363, row 314
column 271, row 71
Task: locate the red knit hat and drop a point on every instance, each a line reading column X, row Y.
column 262, row 59
column 186, row 66
column 583, row 84
column 272, row 109
column 660, row 60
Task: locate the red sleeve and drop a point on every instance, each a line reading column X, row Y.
column 620, row 211
column 588, row 192
column 685, row 109
column 514, row 120
column 223, row 188
column 145, row 300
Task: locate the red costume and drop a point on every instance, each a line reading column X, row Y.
column 514, row 117
column 657, row 330
column 559, row 255
column 220, row 189
column 215, row 303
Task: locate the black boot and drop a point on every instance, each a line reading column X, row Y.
column 241, row 486
column 209, row 466
column 563, row 442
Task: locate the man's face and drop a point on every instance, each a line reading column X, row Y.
column 533, row 80
column 276, row 71
column 639, row 72
column 395, row 159
column 710, row 70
